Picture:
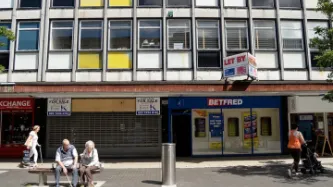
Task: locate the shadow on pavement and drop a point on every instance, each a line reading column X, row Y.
column 276, row 171
column 152, row 182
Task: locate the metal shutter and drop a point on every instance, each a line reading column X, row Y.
column 115, row 134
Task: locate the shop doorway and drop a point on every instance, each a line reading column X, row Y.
column 181, row 131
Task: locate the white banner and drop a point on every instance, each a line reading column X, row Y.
column 59, row 107
column 148, row 106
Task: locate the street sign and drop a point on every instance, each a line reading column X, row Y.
column 148, row 106
column 59, row 107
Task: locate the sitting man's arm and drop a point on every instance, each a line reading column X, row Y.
column 75, row 155
column 58, row 160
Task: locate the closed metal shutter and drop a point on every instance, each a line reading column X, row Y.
column 115, row 134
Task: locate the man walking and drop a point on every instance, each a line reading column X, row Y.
column 66, row 158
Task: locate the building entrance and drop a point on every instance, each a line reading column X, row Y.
column 181, row 130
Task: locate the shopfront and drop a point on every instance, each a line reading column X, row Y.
column 17, row 118
column 113, row 124
column 313, row 116
column 226, row 125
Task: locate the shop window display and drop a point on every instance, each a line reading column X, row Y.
column 233, row 127
column 266, row 126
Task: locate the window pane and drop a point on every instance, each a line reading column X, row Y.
column 233, row 127
column 237, row 36
column 91, row 39
column 179, row 2
column 314, row 63
column 208, row 34
column 290, row 3
column 4, row 40
column 63, row 3
column 263, row 3
column 29, row 25
column 120, row 35
column 179, row 34
column 90, row 24
column 264, row 34
column 28, row 40
column 150, row 2
column 118, row 3
column 61, row 39
column 4, row 60
column 266, row 126
column 119, row 60
column 91, row 3
column 208, row 3
column 149, row 35
column 90, row 60
column 292, row 35
column 209, row 59
column 6, row 3
column 30, row 3
column 237, row 3
column 312, row 26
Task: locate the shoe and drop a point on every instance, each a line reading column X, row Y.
column 289, row 173
column 91, row 185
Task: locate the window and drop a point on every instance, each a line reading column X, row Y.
column 311, row 34
column 179, row 44
column 91, row 3
column 208, row 44
column 263, row 3
column 237, row 37
column 63, row 3
column 149, row 39
column 90, row 45
column 235, row 3
column 61, row 41
column 6, row 4
column 4, row 60
column 30, row 3
column 4, row 50
column 266, row 126
column 233, row 127
column 207, row 3
column 120, row 45
column 311, row 3
column 27, row 41
column 157, row 3
column 179, row 2
column 291, row 3
column 120, row 3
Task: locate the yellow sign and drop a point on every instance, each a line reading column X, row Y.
column 250, row 130
column 215, row 145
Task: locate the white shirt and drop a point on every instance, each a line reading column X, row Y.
column 34, row 138
column 85, row 158
column 67, row 162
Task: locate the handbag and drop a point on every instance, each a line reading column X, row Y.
column 28, row 143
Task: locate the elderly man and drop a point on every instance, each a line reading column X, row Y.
column 66, row 158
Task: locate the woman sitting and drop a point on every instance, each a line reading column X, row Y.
column 89, row 162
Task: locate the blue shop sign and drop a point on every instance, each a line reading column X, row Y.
column 229, row 72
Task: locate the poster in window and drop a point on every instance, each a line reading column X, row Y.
column 200, row 127
column 250, row 130
column 233, row 127
column 266, row 126
column 215, row 125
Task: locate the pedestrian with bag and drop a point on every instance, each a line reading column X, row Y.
column 32, row 143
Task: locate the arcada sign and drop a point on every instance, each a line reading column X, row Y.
column 240, row 65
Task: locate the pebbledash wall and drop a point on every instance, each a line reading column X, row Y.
column 231, row 125
column 174, row 40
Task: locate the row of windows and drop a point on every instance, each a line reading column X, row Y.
column 150, row 43
column 158, row 3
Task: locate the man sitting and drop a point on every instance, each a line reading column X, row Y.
column 66, row 158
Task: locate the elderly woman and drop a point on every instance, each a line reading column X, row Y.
column 89, row 162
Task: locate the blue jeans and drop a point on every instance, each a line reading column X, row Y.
column 58, row 171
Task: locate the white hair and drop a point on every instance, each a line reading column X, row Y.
column 90, row 144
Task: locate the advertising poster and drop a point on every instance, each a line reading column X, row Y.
column 59, row 107
column 200, row 127
column 215, row 125
column 250, row 121
column 148, row 106
column 215, row 145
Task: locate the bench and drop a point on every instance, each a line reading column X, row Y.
column 44, row 172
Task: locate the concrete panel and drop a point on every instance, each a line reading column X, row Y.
column 90, row 13
column 24, row 77
column 120, row 13
column 28, row 14
column 311, row 14
column 3, row 77
column 61, row 13
column 7, row 14
column 58, row 76
column 209, row 75
column 179, row 12
column 235, row 13
column 206, row 12
column 149, row 75
column 268, row 75
column 319, row 75
column 179, row 75
column 294, row 14
column 295, row 75
column 149, row 12
column 263, row 13
column 88, row 76
column 119, row 76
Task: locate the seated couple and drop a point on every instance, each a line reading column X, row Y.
column 67, row 159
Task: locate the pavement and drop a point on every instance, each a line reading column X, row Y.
column 206, row 172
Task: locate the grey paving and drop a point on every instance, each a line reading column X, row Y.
column 272, row 175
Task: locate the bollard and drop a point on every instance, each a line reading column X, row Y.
column 169, row 165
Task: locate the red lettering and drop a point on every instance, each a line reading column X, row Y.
column 241, row 58
column 229, row 61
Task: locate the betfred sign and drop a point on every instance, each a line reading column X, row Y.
column 224, row 102
column 14, row 103
column 240, row 65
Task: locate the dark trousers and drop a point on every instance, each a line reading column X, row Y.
column 85, row 173
column 296, row 154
